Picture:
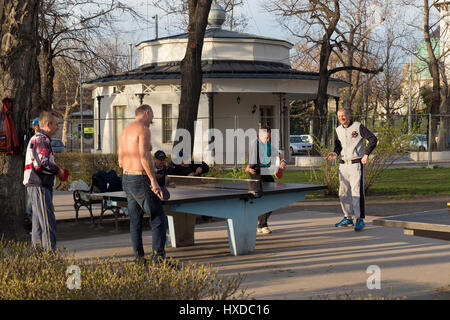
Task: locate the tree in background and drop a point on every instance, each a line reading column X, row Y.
column 323, row 25
column 235, row 20
column 427, row 22
column 67, row 25
column 18, row 31
column 191, row 67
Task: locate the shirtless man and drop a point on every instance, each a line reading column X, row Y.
column 140, row 184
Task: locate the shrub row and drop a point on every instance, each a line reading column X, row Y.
column 28, row 273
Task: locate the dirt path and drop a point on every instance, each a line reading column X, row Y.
column 375, row 206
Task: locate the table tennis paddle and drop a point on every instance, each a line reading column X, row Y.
column 279, row 173
column 163, row 195
column 65, row 176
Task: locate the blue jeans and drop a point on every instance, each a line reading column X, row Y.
column 142, row 200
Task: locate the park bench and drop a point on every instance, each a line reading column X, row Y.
column 81, row 198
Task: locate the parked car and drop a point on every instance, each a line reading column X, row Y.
column 58, row 145
column 417, row 142
column 307, row 138
column 299, row 144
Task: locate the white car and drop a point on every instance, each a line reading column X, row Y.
column 417, row 142
column 299, row 144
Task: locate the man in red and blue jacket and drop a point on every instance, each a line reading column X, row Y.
column 40, row 174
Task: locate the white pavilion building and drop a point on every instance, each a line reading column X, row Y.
column 247, row 82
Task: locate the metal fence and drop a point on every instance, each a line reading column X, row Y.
column 429, row 143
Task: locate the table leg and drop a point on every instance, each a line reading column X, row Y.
column 242, row 234
column 181, row 227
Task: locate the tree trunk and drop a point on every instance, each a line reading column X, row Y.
column 47, row 76
column 433, row 67
column 36, row 98
column 191, row 67
column 67, row 111
column 18, row 21
column 321, row 105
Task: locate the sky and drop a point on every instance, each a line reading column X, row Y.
column 260, row 22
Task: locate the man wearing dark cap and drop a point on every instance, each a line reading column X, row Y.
column 161, row 167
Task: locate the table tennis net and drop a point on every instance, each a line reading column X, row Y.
column 251, row 186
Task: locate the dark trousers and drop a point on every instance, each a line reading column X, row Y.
column 142, row 200
column 262, row 219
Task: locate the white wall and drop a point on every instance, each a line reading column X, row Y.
column 218, row 49
column 225, row 110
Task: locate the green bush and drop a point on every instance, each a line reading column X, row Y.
column 392, row 144
column 28, row 273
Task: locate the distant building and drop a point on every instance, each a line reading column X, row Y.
column 247, row 82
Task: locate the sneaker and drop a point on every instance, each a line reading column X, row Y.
column 359, row 224
column 264, row 230
column 344, row 222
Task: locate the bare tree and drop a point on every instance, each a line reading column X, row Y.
column 318, row 23
column 18, row 23
column 234, row 19
column 111, row 57
column 191, row 67
column 433, row 59
column 65, row 96
column 433, row 65
column 67, row 25
column 388, row 83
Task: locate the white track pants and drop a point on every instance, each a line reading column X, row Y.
column 351, row 189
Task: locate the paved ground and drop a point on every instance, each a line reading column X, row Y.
column 305, row 257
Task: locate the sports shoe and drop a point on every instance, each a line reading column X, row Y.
column 264, row 230
column 359, row 224
column 344, row 222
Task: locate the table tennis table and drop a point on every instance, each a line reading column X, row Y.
column 431, row 224
column 239, row 207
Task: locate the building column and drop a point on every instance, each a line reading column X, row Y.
column 210, row 96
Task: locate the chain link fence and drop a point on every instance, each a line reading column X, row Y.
column 425, row 142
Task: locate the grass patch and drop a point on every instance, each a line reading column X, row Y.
column 404, row 183
column 412, row 182
column 28, row 273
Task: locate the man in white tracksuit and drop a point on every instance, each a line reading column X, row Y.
column 349, row 144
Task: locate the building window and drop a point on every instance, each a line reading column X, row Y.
column 118, row 89
column 166, row 123
column 266, row 116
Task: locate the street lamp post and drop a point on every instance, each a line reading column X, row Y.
column 410, row 94
column 99, row 143
column 80, row 51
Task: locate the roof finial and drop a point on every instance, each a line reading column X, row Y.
column 216, row 16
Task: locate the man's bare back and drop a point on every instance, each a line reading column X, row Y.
column 135, row 147
column 129, row 153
